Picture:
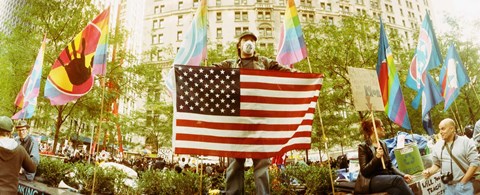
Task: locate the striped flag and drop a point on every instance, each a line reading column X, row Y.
column 71, row 75
column 243, row 113
column 194, row 46
column 100, row 59
column 292, row 48
column 27, row 97
column 453, row 76
column 390, row 83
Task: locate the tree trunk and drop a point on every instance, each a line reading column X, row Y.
column 58, row 124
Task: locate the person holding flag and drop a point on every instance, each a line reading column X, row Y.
column 247, row 58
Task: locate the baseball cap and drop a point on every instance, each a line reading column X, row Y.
column 6, row 123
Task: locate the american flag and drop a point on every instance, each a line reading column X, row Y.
column 243, row 113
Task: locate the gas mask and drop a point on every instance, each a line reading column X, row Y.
column 248, row 47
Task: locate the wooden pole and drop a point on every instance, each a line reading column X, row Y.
column 376, row 137
column 323, row 135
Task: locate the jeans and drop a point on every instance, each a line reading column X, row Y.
column 393, row 184
column 459, row 188
column 236, row 176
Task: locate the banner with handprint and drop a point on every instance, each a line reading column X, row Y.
column 71, row 75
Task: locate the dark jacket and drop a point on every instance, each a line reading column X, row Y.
column 11, row 160
column 371, row 166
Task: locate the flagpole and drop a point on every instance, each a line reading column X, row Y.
column 323, row 134
column 97, row 134
column 376, row 135
column 458, row 116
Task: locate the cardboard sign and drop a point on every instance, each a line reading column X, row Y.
column 433, row 185
column 365, row 89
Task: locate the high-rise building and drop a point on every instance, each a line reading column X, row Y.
column 166, row 21
column 7, row 11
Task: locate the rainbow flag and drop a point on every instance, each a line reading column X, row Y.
column 291, row 48
column 71, row 75
column 390, row 83
column 27, row 97
column 194, row 45
column 453, row 76
column 100, row 59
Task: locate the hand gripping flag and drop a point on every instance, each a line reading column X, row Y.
column 71, row 75
column 390, row 83
column 243, row 113
column 453, row 76
column 27, row 97
column 427, row 56
column 291, row 48
column 194, row 46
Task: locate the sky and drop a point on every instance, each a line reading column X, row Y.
column 466, row 12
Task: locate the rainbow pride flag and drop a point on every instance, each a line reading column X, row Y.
column 291, row 48
column 100, row 59
column 390, row 83
column 71, row 75
column 27, row 97
column 194, row 45
column 453, row 76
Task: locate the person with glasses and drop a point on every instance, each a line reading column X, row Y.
column 457, row 159
column 31, row 146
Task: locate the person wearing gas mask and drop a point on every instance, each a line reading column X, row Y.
column 457, row 159
column 247, row 58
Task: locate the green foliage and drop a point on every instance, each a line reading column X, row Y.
column 315, row 178
column 107, row 181
column 171, row 182
column 52, row 171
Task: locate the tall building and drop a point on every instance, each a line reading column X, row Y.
column 166, row 22
column 7, row 10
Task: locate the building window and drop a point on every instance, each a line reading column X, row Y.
column 155, row 24
column 154, row 39
column 344, row 9
column 160, row 38
column 401, row 12
column 360, row 2
column 326, row 6
column 281, row 2
column 156, row 10
column 239, row 30
column 219, row 33
column 220, row 47
column 180, row 5
column 180, row 20
column 265, row 31
column 406, row 35
column 179, row 36
column 240, row 2
column 264, row 15
column 241, row 16
column 162, row 8
column 403, row 21
column 399, row 2
column 306, row 2
column 328, row 19
column 195, row 3
column 160, row 23
column 219, row 16
column 219, row 2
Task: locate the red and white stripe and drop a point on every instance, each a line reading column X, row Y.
column 277, row 110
